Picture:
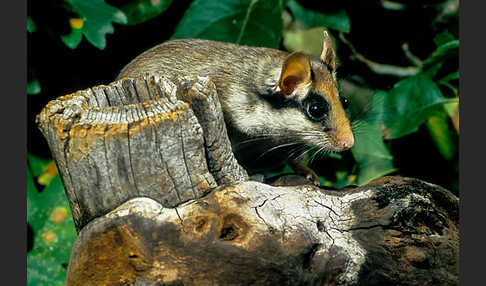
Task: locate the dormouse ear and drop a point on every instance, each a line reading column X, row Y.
column 296, row 71
column 327, row 55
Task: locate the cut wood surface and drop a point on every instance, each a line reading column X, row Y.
column 159, row 199
column 136, row 138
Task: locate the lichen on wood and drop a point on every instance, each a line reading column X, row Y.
column 158, row 198
column 135, row 138
column 256, row 234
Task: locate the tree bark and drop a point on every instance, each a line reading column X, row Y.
column 159, row 199
column 395, row 231
column 135, row 138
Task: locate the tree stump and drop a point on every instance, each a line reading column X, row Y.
column 135, row 138
column 159, row 199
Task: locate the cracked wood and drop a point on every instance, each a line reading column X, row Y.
column 138, row 137
column 252, row 233
column 159, row 199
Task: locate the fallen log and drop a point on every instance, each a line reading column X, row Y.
column 159, row 199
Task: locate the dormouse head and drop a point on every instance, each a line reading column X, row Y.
column 310, row 83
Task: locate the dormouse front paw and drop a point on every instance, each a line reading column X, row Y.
column 301, row 169
column 313, row 177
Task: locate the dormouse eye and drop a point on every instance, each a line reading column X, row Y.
column 344, row 101
column 317, row 109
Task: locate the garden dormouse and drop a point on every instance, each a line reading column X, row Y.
column 271, row 100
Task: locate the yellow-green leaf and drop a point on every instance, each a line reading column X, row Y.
column 306, row 40
column 439, row 131
column 95, row 21
column 50, row 172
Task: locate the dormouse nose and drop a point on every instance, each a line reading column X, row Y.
column 344, row 139
column 347, row 143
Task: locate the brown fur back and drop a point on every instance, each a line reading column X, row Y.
column 233, row 68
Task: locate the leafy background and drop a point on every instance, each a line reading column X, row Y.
column 398, row 67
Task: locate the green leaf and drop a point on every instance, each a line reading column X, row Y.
column 373, row 157
column 44, row 169
column 308, row 18
column 139, row 11
column 31, row 27
column 443, row 38
column 37, row 165
column 44, row 203
column 51, row 220
column 33, row 87
column 42, row 270
column 72, row 39
column 409, row 104
column 454, row 89
column 439, row 131
column 335, row 156
column 451, row 109
column 287, row 169
column 50, row 172
column 449, row 50
column 323, row 181
column 342, row 179
column 449, row 77
column 97, row 18
column 306, row 40
column 246, row 22
column 432, row 70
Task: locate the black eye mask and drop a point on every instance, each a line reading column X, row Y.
column 315, row 107
column 279, row 102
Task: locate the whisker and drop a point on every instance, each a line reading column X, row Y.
column 321, row 153
column 274, row 148
column 314, row 155
column 305, row 152
column 295, row 150
column 260, row 137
